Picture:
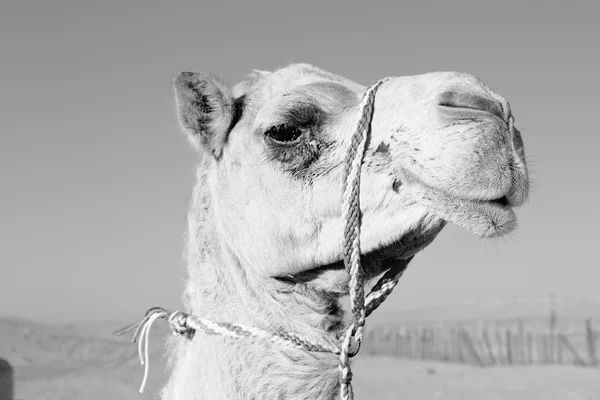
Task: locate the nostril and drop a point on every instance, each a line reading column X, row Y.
column 470, row 101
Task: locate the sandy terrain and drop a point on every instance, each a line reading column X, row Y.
column 72, row 363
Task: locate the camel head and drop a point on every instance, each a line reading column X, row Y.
column 440, row 149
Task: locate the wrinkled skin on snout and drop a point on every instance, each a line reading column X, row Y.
column 440, row 150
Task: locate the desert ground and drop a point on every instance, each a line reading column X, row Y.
column 83, row 362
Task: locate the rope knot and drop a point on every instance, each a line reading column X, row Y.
column 352, row 340
column 179, row 323
column 346, row 376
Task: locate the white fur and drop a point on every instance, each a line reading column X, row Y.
column 250, row 220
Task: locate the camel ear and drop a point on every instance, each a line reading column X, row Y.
column 204, row 109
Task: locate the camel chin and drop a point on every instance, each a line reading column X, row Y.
column 484, row 218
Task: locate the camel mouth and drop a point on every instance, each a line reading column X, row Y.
column 334, row 280
column 501, row 201
column 312, row 273
column 386, row 254
column 483, row 217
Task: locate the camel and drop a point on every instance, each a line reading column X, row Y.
column 264, row 236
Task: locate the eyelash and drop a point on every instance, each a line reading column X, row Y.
column 292, row 145
column 284, row 133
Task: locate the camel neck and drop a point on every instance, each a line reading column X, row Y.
column 219, row 288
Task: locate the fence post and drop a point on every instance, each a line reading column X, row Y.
column 447, row 345
column 423, row 343
column 405, row 344
column 529, row 339
column 553, row 335
column 488, row 346
column 470, row 347
column 458, row 347
column 416, row 350
column 559, row 352
column 6, row 381
column 562, row 338
column 546, row 347
column 521, row 358
column 501, row 353
column 509, row 350
column 591, row 342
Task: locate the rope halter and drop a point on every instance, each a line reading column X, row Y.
column 361, row 306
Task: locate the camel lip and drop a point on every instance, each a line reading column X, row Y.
column 486, row 220
column 503, row 200
column 311, row 273
column 483, row 217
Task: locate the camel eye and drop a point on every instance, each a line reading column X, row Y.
column 284, row 133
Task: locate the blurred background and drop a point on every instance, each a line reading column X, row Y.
column 95, row 178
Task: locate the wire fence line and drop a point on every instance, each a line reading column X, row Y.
column 485, row 343
column 477, row 342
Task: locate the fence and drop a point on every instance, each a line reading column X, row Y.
column 486, row 344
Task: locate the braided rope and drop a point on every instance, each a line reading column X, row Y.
column 384, row 287
column 352, row 217
column 361, row 306
column 187, row 325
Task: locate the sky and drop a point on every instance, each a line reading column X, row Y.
column 95, row 175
